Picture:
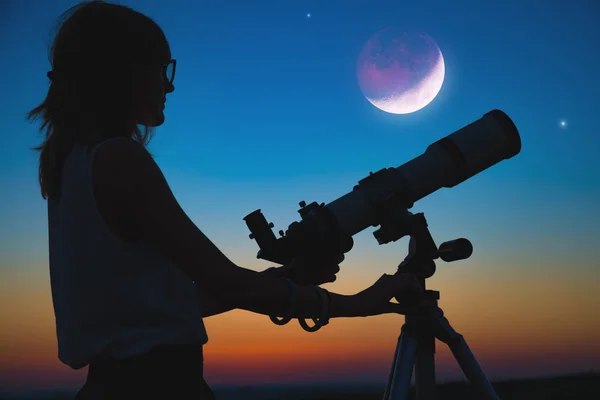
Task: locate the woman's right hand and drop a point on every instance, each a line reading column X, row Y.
column 375, row 300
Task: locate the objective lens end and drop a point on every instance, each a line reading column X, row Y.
column 509, row 127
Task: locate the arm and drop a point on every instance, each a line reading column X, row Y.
column 137, row 181
column 259, row 298
column 210, row 305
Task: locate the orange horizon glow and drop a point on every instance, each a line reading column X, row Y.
column 523, row 327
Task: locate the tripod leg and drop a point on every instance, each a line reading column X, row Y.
column 465, row 358
column 425, row 361
column 388, row 387
column 398, row 385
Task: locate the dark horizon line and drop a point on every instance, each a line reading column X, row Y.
column 25, row 393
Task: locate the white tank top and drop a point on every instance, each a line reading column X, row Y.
column 111, row 297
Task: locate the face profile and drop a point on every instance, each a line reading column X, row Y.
column 154, row 83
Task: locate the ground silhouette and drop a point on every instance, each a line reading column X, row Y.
column 585, row 386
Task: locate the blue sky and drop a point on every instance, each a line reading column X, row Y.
column 267, row 111
column 267, row 97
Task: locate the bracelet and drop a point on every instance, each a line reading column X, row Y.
column 324, row 319
column 288, row 315
column 326, row 311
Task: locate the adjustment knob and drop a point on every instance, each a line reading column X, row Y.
column 302, row 204
column 281, row 233
column 271, row 225
column 251, row 236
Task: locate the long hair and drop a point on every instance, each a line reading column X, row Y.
column 91, row 93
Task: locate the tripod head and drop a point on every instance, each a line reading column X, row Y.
column 422, row 250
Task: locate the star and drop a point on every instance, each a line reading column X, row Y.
column 563, row 123
column 307, row 15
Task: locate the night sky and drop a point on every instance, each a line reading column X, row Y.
column 267, row 111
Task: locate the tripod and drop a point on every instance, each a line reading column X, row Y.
column 416, row 344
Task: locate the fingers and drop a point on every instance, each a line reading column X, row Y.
column 410, row 292
column 313, row 270
column 404, row 287
column 407, row 281
column 409, row 298
column 408, row 278
column 332, row 269
column 330, row 273
column 328, row 270
column 330, row 260
column 327, row 278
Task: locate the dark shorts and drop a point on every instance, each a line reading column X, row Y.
column 165, row 372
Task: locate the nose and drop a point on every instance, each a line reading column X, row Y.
column 169, row 87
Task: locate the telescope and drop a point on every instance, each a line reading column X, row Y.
column 382, row 198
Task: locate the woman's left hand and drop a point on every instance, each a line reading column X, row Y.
column 304, row 271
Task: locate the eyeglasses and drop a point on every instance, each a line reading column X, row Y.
column 169, row 70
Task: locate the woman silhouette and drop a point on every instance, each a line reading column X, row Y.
column 131, row 275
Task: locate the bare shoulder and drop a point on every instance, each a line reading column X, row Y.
column 119, row 154
column 122, row 165
column 133, row 195
column 119, row 172
column 136, row 200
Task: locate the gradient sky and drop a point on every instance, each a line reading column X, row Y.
column 267, row 112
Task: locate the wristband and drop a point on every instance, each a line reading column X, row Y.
column 324, row 319
column 288, row 314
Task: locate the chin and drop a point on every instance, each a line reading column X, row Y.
column 158, row 120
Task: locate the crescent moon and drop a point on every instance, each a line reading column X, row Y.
column 419, row 96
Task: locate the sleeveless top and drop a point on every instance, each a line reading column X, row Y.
column 112, row 297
